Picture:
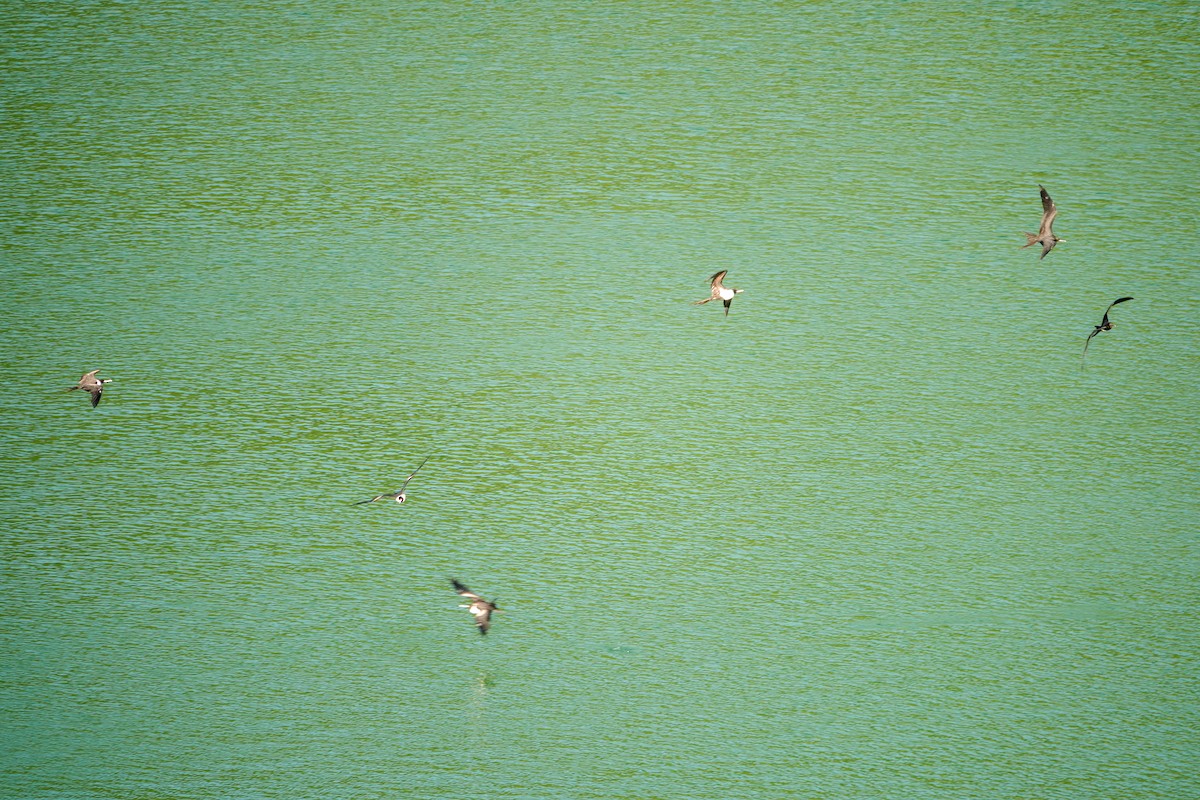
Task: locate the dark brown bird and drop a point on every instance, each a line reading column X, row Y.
column 1045, row 235
column 480, row 609
column 399, row 495
column 719, row 292
column 92, row 385
column 1105, row 325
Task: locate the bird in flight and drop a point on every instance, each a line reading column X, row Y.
column 720, row 292
column 1045, row 235
column 1105, row 325
column 399, row 495
column 92, row 385
column 480, row 609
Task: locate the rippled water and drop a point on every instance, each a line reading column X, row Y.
column 874, row 535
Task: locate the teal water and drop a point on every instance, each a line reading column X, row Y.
column 874, row 535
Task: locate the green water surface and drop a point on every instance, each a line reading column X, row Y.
column 876, row 534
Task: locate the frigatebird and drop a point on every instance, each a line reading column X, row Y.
column 399, row 495
column 1105, row 325
column 1045, row 235
column 480, row 609
column 92, row 385
column 719, row 291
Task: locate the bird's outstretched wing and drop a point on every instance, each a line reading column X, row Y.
column 1049, row 211
column 398, row 492
column 459, row 588
column 95, row 392
column 1110, row 305
column 715, row 280
column 1089, row 341
column 410, row 477
column 79, row 383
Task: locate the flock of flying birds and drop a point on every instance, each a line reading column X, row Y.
column 1045, row 237
column 482, row 609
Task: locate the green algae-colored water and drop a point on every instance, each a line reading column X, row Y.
column 874, row 535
